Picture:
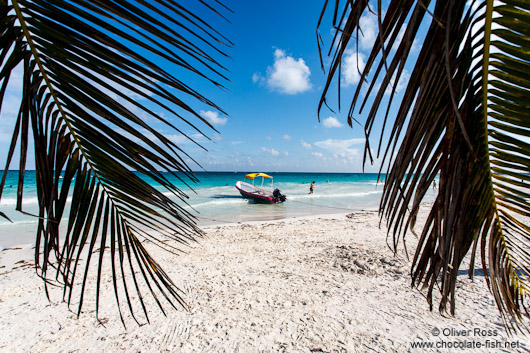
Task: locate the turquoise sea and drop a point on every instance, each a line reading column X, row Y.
column 217, row 201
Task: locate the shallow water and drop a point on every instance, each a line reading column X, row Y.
column 217, row 201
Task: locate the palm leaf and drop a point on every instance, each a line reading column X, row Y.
column 464, row 117
column 82, row 63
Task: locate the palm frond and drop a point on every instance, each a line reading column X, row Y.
column 508, row 128
column 464, row 118
column 84, row 62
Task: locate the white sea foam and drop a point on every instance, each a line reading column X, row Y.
column 218, row 198
column 20, row 222
column 222, row 202
column 34, row 200
column 12, row 201
column 351, row 194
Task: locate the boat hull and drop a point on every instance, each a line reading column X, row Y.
column 252, row 192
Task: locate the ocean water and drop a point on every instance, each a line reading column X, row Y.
column 215, row 199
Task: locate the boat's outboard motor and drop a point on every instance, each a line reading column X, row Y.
column 278, row 195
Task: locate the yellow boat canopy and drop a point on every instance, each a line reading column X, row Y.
column 254, row 175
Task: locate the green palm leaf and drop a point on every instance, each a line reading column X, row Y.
column 83, row 62
column 464, row 116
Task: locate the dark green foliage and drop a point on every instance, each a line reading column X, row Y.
column 464, row 116
column 79, row 59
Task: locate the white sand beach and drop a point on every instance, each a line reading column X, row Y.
column 319, row 284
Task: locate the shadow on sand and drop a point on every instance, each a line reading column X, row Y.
column 478, row 272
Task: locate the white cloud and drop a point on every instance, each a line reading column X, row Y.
column 217, row 137
column 287, row 137
column 369, row 30
column 352, row 65
column 415, row 46
column 272, row 151
column 402, row 83
column 339, row 144
column 305, row 145
column 177, row 138
column 331, row 122
column 213, row 117
column 287, row 75
column 268, row 138
column 215, row 162
column 317, row 154
column 258, row 78
column 399, row 38
column 342, row 148
column 199, row 138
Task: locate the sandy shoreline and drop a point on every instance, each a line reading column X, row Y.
column 314, row 284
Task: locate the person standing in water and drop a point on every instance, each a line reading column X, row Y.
column 311, row 187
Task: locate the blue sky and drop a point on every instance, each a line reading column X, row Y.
column 272, row 99
column 277, row 83
column 276, row 86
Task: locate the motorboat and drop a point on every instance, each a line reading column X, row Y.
column 249, row 190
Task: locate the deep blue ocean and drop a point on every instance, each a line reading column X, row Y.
column 217, row 201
